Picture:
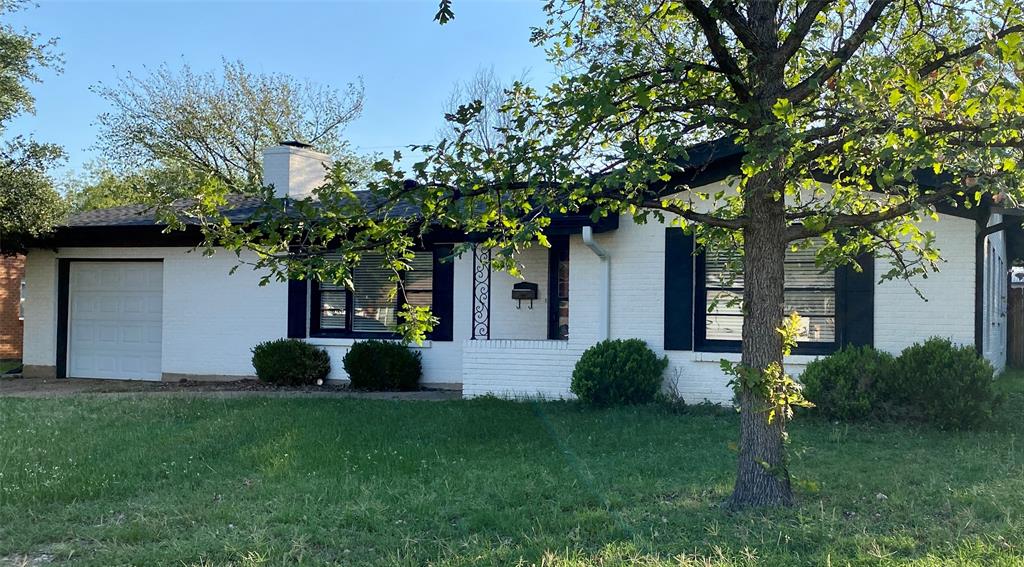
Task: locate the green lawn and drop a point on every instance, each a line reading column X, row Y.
column 258, row 481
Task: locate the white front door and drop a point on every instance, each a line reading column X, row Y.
column 114, row 320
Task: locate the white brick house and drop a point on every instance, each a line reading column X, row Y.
column 109, row 296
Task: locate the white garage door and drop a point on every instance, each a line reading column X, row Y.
column 116, row 309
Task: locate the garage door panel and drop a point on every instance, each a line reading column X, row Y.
column 105, row 334
column 95, row 305
column 115, row 327
column 86, row 280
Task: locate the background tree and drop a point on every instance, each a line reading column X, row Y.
column 100, row 186
column 494, row 119
column 866, row 95
column 29, row 205
column 218, row 123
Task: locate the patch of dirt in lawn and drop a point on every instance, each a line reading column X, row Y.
column 56, row 387
column 26, row 560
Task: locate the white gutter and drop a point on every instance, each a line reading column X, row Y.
column 603, row 320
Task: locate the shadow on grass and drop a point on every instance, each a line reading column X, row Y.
column 314, row 481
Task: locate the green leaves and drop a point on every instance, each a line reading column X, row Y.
column 783, row 110
column 847, row 153
column 444, row 12
column 29, row 204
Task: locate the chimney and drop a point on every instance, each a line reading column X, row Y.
column 294, row 169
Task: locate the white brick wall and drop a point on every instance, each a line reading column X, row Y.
column 212, row 319
column 40, row 327
column 518, row 368
column 544, row 368
column 902, row 317
column 637, row 310
column 508, row 322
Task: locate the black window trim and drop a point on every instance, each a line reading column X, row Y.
column 315, row 331
column 703, row 344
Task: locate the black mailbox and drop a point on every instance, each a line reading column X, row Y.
column 524, row 291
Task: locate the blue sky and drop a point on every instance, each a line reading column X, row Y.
column 407, row 61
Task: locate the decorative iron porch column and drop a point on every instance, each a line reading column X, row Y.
column 481, row 327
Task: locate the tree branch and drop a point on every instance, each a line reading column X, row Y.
column 703, row 218
column 800, row 29
column 738, row 24
column 799, row 232
column 966, row 52
column 808, row 86
column 718, row 48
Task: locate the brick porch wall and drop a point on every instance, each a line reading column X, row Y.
column 12, row 269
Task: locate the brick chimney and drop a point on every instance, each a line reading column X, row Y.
column 294, row 169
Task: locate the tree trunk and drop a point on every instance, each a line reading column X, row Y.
column 762, row 478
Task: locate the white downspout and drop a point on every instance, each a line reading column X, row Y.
column 603, row 320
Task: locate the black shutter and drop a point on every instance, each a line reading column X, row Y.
column 443, row 293
column 678, row 290
column 856, row 302
column 297, row 309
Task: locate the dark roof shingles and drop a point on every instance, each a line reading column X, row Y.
column 239, row 208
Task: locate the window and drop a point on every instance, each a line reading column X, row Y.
column 372, row 305
column 558, row 289
column 333, row 307
column 808, row 290
column 563, row 299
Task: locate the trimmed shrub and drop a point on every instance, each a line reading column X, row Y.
column 948, row 386
column 618, row 372
column 383, row 365
column 846, row 384
column 288, row 362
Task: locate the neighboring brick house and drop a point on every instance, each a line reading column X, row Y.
column 12, row 271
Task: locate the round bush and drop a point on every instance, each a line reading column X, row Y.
column 289, row 362
column 845, row 385
column 618, row 372
column 383, row 365
column 946, row 385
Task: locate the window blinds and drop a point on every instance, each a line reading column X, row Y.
column 809, row 291
column 374, row 298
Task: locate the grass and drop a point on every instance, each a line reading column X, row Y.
column 7, row 364
column 259, row 481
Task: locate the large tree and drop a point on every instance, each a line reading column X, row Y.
column 217, row 124
column 840, row 106
column 29, row 205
